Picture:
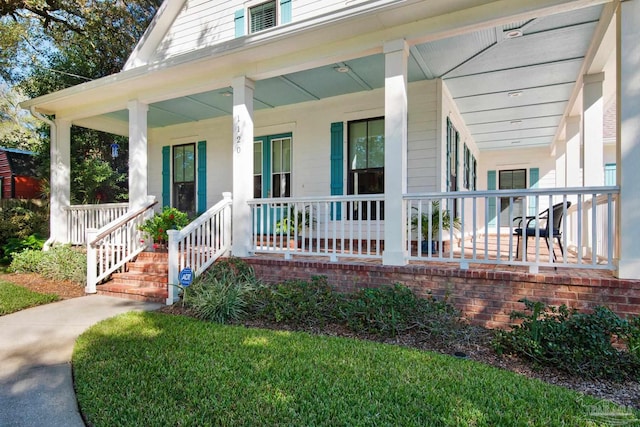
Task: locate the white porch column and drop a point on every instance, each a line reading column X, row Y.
column 573, row 176
column 395, row 151
column 592, row 130
column 137, row 153
column 561, row 159
column 628, row 146
column 60, row 185
column 242, row 165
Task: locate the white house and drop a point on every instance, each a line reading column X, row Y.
column 362, row 113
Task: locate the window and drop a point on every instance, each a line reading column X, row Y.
column 272, row 166
column 514, row 179
column 610, row 174
column 366, row 160
column 469, row 169
column 262, row 16
column 184, row 178
column 281, row 167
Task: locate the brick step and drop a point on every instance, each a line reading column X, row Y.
column 148, row 294
column 153, row 257
column 141, row 279
column 148, row 267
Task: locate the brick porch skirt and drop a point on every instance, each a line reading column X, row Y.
column 485, row 295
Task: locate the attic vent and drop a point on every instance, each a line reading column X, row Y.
column 263, row 16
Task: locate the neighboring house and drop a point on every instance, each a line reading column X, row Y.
column 18, row 175
column 362, row 113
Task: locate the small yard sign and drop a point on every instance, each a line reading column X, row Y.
column 186, row 276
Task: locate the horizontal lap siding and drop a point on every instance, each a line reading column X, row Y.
column 422, row 137
column 200, row 24
column 5, row 174
column 304, row 9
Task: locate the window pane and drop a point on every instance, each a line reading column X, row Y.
column 286, row 155
column 376, row 144
column 189, row 163
column 257, row 158
column 358, row 145
column 276, row 156
column 257, row 187
column 178, row 164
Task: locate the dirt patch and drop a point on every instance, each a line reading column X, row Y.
column 35, row 282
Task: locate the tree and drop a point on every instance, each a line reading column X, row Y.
column 18, row 129
column 82, row 41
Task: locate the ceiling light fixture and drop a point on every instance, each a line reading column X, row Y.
column 342, row 69
column 226, row 93
column 515, row 94
column 512, row 34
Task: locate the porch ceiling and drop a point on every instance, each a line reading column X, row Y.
column 511, row 92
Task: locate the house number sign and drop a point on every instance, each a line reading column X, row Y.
column 238, row 135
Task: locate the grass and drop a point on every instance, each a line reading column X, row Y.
column 15, row 298
column 155, row 369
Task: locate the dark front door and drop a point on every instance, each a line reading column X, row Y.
column 184, row 178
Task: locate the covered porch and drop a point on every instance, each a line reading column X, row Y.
column 453, row 121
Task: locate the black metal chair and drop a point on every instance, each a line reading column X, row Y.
column 544, row 230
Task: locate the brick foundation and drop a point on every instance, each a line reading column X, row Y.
column 486, row 297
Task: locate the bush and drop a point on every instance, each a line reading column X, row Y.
column 221, row 294
column 578, row 343
column 16, row 245
column 58, row 263
column 20, row 218
column 298, row 302
column 169, row 219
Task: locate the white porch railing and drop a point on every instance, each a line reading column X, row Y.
column 337, row 226
column 112, row 246
column 200, row 243
column 484, row 232
column 489, row 227
column 82, row 217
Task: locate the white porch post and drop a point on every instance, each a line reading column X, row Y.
column 561, row 154
column 628, row 146
column 573, row 177
column 395, row 152
column 137, row 153
column 60, row 185
column 592, row 130
column 242, row 165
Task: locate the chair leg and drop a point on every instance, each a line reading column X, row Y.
column 551, row 248
column 518, row 247
column 561, row 248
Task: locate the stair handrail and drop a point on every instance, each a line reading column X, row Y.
column 112, row 246
column 199, row 244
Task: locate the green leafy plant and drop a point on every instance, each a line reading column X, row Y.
column 169, row 219
column 578, row 343
column 58, row 263
column 424, row 220
column 298, row 302
column 222, row 293
column 16, row 245
column 293, row 220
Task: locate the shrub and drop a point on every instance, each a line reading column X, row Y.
column 578, row 343
column 16, row 245
column 221, row 294
column 19, row 219
column 297, row 302
column 58, row 263
column 169, row 219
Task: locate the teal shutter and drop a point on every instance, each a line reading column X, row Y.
column 337, row 164
column 534, row 177
column 166, row 176
column 239, row 21
column 285, row 11
column 491, row 185
column 202, row 176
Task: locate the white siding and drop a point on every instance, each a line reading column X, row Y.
column 203, row 23
column 310, row 124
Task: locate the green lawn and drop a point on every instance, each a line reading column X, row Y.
column 15, row 298
column 155, row 369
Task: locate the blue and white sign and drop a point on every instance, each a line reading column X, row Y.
column 185, row 276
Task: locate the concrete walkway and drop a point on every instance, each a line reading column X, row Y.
column 36, row 388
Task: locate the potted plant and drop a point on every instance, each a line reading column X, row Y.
column 292, row 221
column 424, row 220
column 156, row 227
